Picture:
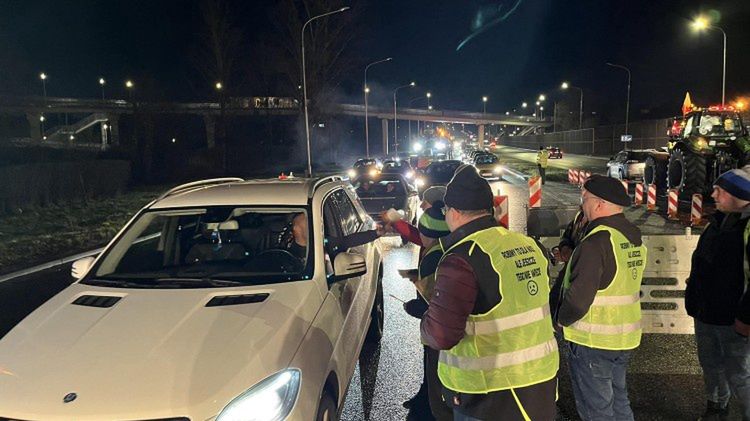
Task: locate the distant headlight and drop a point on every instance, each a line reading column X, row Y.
column 420, row 182
column 373, row 173
column 270, row 400
column 351, row 173
column 417, row 147
column 440, row 146
column 498, row 170
column 410, row 174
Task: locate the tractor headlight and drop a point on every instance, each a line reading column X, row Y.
column 270, row 400
column 351, row 173
column 700, row 143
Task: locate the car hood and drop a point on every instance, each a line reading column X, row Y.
column 153, row 354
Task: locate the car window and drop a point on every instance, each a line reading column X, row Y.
column 688, row 126
column 486, row 159
column 238, row 243
column 347, row 216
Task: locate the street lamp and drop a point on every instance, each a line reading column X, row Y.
column 102, row 82
column 484, row 105
column 565, row 86
column 395, row 116
column 219, row 86
column 43, row 77
column 524, row 105
column 627, row 103
column 304, row 84
column 701, row 23
column 367, row 91
column 129, row 86
column 411, row 101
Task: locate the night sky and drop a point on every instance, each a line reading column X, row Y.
column 532, row 50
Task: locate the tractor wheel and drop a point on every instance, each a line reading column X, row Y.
column 686, row 171
column 655, row 173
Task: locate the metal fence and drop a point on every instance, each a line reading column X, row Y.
column 601, row 140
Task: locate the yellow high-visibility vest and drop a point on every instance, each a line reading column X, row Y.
column 613, row 321
column 513, row 344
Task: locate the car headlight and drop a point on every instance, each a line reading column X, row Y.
column 410, row 174
column 351, row 173
column 270, row 400
column 373, row 173
column 498, row 169
column 420, row 182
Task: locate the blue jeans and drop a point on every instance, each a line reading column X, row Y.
column 725, row 359
column 599, row 386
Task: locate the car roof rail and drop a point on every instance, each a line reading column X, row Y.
column 200, row 183
column 323, row 180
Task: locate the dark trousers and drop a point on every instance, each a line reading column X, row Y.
column 542, row 173
column 439, row 409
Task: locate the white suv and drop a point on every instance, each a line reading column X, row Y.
column 208, row 305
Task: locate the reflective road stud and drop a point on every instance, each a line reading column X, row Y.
column 696, row 210
column 672, row 204
column 651, row 200
column 638, row 200
column 535, row 192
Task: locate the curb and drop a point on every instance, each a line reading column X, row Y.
column 48, row 265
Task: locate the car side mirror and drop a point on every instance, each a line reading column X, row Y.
column 348, row 265
column 81, row 266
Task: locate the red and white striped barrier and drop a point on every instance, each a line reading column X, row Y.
column 672, row 204
column 638, row 200
column 583, row 176
column 501, row 210
column 572, row 176
column 696, row 210
column 535, row 192
column 651, row 200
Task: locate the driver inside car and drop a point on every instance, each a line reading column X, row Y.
column 298, row 247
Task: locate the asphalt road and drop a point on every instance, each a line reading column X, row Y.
column 664, row 376
column 595, row 164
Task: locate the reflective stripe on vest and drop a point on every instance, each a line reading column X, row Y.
column 614, row 319
column 512, row 345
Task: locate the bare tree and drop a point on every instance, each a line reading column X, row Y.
column 219, row 43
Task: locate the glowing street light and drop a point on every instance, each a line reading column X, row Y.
column 43, row 77
column 304, row 84
column 542, row 97
column 102, row 82
column 218, row 86
column 367, row 91
column 565, row 86
column 702, row 23
column 129, row 86
column 524, row 105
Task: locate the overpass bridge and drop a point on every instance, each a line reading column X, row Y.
column 108, row 112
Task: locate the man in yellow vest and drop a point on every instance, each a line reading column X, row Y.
column 489, row 314
column 600, row 308
column 541, row 162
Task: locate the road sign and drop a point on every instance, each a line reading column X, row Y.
column 626, row 138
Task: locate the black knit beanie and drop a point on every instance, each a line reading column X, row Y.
column 468, row 191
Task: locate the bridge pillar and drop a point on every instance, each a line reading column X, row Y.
column 114, row 130
column 35, row 125
column 480, row 136
column 210, row 122
column 384, row 124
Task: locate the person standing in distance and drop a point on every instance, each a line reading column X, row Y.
column 489, row 314
column 600, row 308
column 716, row 297
column 541, row 162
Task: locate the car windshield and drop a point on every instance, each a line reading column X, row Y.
column 383, row 186
column 486, row 159
column 236, row 244
column 395, row 165
column 442, row 172
column 364, row 163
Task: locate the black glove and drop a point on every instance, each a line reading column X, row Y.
column 415, row 308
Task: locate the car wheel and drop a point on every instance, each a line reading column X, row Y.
column 377, row 314
column 327, row 410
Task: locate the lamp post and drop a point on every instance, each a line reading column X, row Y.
column 484, row 105
column 304, row 84
column 43, row 77
column 102, row 82
column 566, row 85
column 411, row 101
column 702, row 23
column 367, row 91
column 129, row 86
column 395, row 116
column 627, row 103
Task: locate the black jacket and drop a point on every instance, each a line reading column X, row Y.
column 715, row 291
